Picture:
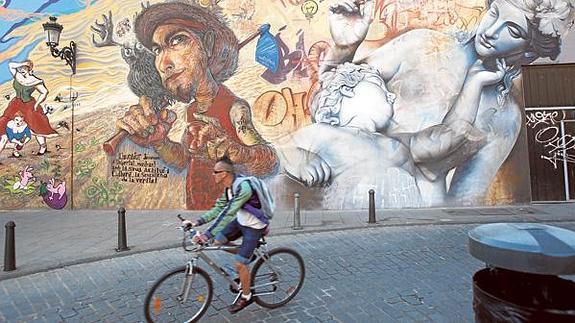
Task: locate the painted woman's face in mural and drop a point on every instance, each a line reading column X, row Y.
column 503, row 31
column 180, row 60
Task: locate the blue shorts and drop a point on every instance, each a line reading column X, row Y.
column 251, row 236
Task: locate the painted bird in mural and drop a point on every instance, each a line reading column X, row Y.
column 143, row 78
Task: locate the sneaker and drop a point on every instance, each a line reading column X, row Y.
column 240, row 304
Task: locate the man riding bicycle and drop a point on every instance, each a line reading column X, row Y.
column 238, row 213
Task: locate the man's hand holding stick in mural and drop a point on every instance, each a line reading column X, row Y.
column 145, row 126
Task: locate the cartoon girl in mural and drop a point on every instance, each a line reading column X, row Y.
column 424, row 69
column 195, row 53
column 24, row 104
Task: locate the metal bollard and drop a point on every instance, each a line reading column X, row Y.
column 296, row 214
column 122, row 239
column 371, row 207
column 10, row 247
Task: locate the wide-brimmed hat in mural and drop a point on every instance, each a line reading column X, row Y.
column 224, row 59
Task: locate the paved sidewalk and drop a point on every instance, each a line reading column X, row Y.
column 47, row 239
column 385, row 274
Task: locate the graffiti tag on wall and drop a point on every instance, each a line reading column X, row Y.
column 284, row 112
column 559, row 146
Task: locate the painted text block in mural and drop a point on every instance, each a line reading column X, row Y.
column 138, row 168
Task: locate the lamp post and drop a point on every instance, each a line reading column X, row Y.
column 67, row 53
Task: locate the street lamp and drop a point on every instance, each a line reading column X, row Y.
column 68, row 53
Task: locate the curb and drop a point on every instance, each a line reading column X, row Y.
column 35, row 269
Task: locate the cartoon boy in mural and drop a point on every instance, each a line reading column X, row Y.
column 429, row 70
column 17, row 133
column 195, row 53
column 25, row 84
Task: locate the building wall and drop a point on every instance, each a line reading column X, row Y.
column 439, row 124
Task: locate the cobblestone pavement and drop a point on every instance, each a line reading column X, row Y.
column 385, row 274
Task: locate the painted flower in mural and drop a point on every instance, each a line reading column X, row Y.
column 84, row 168
column 104, row 193
column 555, row 16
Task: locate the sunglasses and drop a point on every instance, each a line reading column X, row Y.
column 219, row 171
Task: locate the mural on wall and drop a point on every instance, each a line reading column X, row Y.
column 25, row 115
column 418, row 100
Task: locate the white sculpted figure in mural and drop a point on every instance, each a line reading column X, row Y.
column 352, row 140
column 429, row 70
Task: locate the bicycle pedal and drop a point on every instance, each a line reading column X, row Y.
column 234, row 290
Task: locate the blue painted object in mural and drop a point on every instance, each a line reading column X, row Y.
column 267, row 51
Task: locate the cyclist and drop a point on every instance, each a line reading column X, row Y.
column 238, row 212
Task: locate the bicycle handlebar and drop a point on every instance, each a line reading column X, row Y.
column 187, row 229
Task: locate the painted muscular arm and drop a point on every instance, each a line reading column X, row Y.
column 137, row 121
column 172, row 153
column 348, row 25
column 438, row 144
column 305, row 166
column 438, row 141
column 253, row 152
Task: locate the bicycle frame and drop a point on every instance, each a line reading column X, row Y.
column 198, row 253
column 267, row 278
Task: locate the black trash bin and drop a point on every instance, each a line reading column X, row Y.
column 520, row 283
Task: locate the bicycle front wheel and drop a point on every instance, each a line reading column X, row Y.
column 277, row 279
column 178, row 297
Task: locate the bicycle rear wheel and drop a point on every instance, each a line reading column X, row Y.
column 165, row 300
column 279, row 278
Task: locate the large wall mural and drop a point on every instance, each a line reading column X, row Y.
column 419, row 100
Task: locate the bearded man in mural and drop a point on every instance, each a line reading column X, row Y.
column 195, row 53
column 429, row 71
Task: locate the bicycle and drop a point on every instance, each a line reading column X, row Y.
column 185, row 293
